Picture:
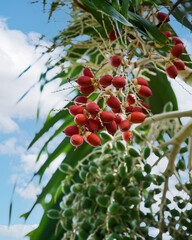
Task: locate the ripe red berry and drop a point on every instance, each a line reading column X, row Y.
column 179, row 64
column 84, row 81
column 81, row 99
column 146, row 108
column 113, row 102
column 76, row 140
column 86, row 90
column 71, row 130
column 111, row 127
column 87, row 72
column 124, row 125
column 129, row 109
column 176, row 40
column 116, row 110
column 80, row 119
column 92, row 108
column 127, row 136
column 92, row 139
column 167, row 33
column 131, row 98
column 162, row 17
column 115, row 61
column 105, row 80
column 100, row 125
column 137, row 109
column 140, row 81
column 143, row 91
column 113, row 35
column 75, row 109
column 171, row 70
column 92, row 125
column 107, row 117
column 177, row 50
column 118, row 82
column 118, row 119
column 136, row 117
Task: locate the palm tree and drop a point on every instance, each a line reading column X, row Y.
column 117, row 190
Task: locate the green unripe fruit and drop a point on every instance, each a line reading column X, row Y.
column 82, row 175
column 149, row 178
column 186, row 222
column 148, row 203
column 126, row 201
column 66, row 224
column 109, row 178
column 168, row 107
column 68, row 213
column 120, row 146
column 65, row 187
column 118, row 197
column 174, row 212
column 105, row 136
column 146, row 184
column 92, row 190
column 147, row 152
column 113, row 208
column 129, row 162
column 134, row 200
column 183, row 150
column 181, row 205
column 160, row 179
column 133, row 191
column 82, row 234
column 114, row 236
column 122, row 171
column 85, row 225
column 147, row 168
column 149, row 216
column 109, row 188
column 65, row 168
column 86, row 203
column 53, row 214
column 77, row 187
column 98, row 222
column 103, row 169
column 138, row 175
column 85, row 167
column 134, row 152
column 112, row 221
column 119, row 229
column 68, row 199
column 93, row 169
column 103, row 200
column 124, row 182
column 181, row 165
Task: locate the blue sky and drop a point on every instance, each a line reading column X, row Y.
column 20, row 26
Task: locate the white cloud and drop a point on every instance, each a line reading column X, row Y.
column 9, row 147
column 17, row 52
column 17, row 232
column 29, row 191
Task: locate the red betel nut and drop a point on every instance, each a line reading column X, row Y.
column 75, row 109
column 107, row 117
column 127, row 136
column 71, row 130
column 176, row 40
column 113, row 35
column 113, row 102
column 86, row 90
column 92, row 125
column 146, row 108
column 92, row 139
column 136, row 117
column 131, row 98
column 105, row 80
column 167, row 33
column 111, row 127
column 116, row 110
column 87, row 72
column 115, row 61
column 100, row 125
column 76, row 140
column 129, row 109
column 118, row 119
column 177, row 50
column 162, row 17
column 124, row 125
column 137, row 109
column 81, row 99
column 179, row 64
column 118, row 82
column 80, row 119
column 171, row 70
column 92, row 108
column 84, row 81
column 143, row 91
column 140, row 81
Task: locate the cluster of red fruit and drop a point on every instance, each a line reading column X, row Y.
column 90, row 118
